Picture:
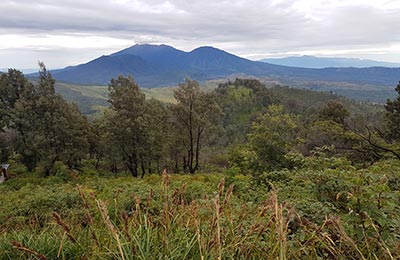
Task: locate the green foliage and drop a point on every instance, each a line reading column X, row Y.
column 50, row 128
column 12, row 85
column 241, row 101
column 126, row 122
column 241, row 158
column 47, row 128
column 335, row 112
column 271, row 137
column 335, row 212
column 334, row 172
column 196, row 112
column 329, row 133
column 393, row 117
column 308, row 103
column 158, row 134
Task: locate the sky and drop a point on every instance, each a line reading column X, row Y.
column 69, row 32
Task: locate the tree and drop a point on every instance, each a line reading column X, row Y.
column 240, row 101
column 157, row 136
column 329, row 133
column 104, row 143
column 196, row 112
column 334, row 111
column 393, row 117
column 272, row 136
column 97, row 140
column 49, row 128
column 126, row 123
column 13, row 85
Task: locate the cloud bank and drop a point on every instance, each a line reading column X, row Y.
column 67, row 32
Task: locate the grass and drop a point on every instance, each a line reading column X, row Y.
column 204, row 216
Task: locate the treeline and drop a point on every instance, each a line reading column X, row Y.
column 241, row 125
column 137, row 135
column 38, row 125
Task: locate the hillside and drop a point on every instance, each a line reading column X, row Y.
column 235, row 172
column 92, row 99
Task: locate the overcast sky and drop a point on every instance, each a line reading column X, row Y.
column 69, row 32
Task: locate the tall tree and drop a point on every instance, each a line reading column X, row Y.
column 126, row 123
column 13, row 85
column 196, row 113
column 49, row 128
column 156, row 136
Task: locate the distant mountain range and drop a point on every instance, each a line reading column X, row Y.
column 323, row 62
column 162, row 65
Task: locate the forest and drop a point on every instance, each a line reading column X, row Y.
column 242, row 171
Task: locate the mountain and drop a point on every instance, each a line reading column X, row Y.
column 101, row 70
column 162, row 65
column 163, row 55
column 159, row 65
column 321, row 62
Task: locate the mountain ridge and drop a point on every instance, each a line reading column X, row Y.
column 307, row 61
column 163, row 65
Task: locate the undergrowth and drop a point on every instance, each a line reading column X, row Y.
column 336, row 213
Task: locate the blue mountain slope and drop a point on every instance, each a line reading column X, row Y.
column 102, row 69
column 160, row 65
column 159, row 55
column 157, row 65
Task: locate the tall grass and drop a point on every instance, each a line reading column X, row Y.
column 168, row 223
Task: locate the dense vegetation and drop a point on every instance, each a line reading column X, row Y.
column 249, row 172
column 326, row 210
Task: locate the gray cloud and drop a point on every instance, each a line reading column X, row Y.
column 252, row 28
